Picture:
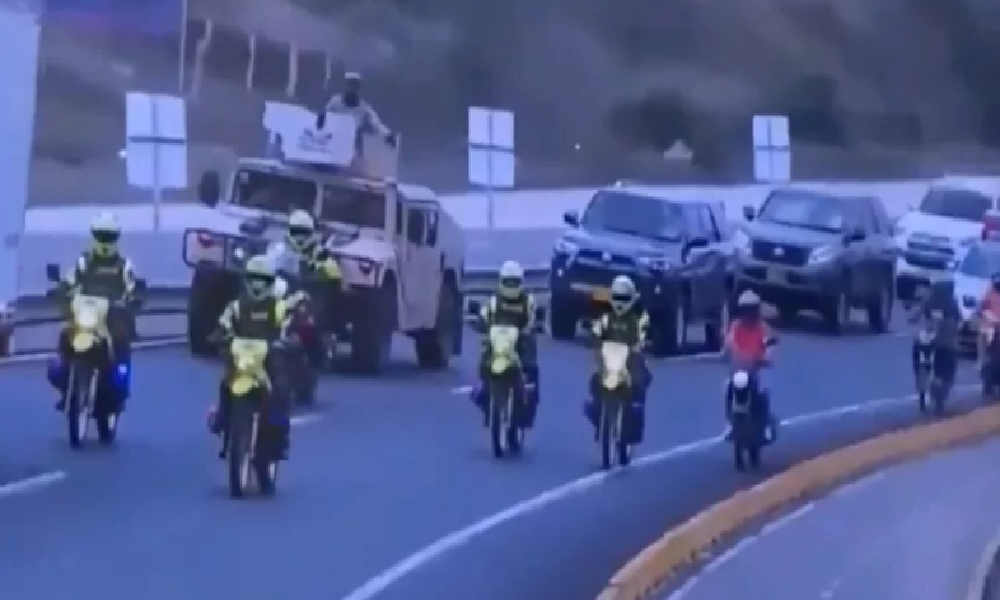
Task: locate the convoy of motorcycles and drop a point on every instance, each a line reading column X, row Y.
column 91, row 383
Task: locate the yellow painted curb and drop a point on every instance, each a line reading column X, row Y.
column 683, row 545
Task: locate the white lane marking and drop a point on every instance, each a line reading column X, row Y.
column 786, row 519
column 860, row 484
column 300, row 420
column 729, row 554
column 45, row 355
column 981, row 575
column 31, row 484
column 456, row 539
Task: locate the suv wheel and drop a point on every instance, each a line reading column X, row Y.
column 837, row 313
column 562, row 320
column 880, row 310
column 715, row 333
column 670, row 336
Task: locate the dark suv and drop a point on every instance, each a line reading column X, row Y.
column 811, row 251
column 673, row 250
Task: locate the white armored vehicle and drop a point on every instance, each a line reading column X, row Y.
column 400, row 253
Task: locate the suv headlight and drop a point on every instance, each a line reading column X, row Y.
column 741, row 242
column 822, row 254
column 565, row 246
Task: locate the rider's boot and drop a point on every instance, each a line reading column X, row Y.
column 57, row 374
column 638, row 417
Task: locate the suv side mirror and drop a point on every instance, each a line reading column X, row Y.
column 571, row 218
column 693, row 244
column 855, row 235
column 210, row 188
column 749, row 212
column 52, row 273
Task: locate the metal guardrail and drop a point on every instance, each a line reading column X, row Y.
column 33, row 311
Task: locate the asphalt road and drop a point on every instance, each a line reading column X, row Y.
column 393, row 467
column 913, row 532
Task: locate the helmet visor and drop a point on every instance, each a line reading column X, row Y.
column 106, row 237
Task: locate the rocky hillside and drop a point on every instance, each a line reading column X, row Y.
column 872, row 88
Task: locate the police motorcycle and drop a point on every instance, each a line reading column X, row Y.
column 249, row 443
column 747, row 409
column 932, row 386
column 615, row 394
column 90, row 380
column 507, row 388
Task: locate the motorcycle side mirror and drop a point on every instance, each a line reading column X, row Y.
column 52, row 273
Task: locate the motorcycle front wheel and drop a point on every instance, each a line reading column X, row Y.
column 81, row 387
column 500, row 421
column 242, row 432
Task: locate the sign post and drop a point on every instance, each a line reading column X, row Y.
column 772, row 149
column 491, row 153
column 156, row 145
column 19, row 28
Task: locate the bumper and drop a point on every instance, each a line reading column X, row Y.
column 590, row 299
column 912, row 281
column 776, row 282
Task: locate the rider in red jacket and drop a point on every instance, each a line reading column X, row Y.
column 747, row 343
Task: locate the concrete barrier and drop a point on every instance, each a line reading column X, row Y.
column 686, row 544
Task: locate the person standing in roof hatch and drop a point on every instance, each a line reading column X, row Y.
column 350, row 101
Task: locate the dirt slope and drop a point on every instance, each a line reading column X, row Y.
column 873, row 88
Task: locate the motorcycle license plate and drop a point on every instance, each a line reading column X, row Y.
column 601, row 295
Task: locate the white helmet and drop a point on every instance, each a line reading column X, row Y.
column 106, row 231
column 623, row 294
column 511, row 279
column 300, row 219
column 748, row 299
column 259, row 276
column 741, row 379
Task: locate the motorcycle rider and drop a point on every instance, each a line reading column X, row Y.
column 350, row 101
column 747, row 343
column 627, row 323
column 316, row 266
column 103, row 272
column 260, row 315
column 940, row 298
column 512, row 305
column 989, row 314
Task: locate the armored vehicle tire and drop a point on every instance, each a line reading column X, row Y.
column 434, row 347
column 206, row 301
column 371, row 340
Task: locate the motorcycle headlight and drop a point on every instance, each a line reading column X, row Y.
column 822, row 254
column 86, row 319
column 741, row 242
column 565, row 246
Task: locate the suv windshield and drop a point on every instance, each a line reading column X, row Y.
column 354, row 206
column 982, row 261
column 646, row 216
column 956, row 203
column 804, row 209
column 273, row 192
